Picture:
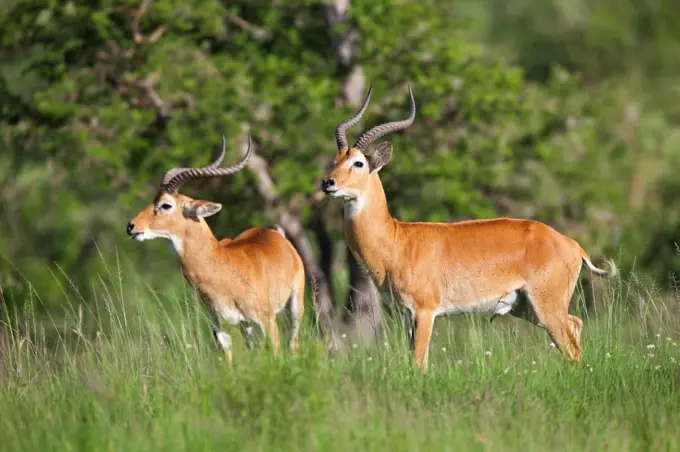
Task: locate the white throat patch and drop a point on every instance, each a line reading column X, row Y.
column 176, row 244
column 353, row 206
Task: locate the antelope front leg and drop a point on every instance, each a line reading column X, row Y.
column 249, row 335
column 411, row 329
column 421, row 350
column 225, row 341
column 222, row 338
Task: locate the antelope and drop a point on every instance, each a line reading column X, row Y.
column 437, row 269
column 243, row 281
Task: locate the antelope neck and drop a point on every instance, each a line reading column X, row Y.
column 371, row 231
column 199, row 247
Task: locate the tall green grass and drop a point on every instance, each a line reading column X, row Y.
column 126, row 368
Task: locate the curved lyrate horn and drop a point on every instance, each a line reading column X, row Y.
column 368, row 137
column 176, row 177
column 341, row 129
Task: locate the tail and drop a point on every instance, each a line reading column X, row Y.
column 612, row 272
column 280, row 230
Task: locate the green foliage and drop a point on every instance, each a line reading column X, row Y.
column 91, row 119
column 605, row 38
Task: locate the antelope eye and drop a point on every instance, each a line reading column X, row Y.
column 359, row 164
column 166, row 206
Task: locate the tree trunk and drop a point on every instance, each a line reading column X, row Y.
column 345, row 47
column 325, row 243
column 320, row 289
column 363, row 311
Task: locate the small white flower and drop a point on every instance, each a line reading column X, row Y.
column 608, row 355
column 460, row 361
column 370, row 358
column 657, row 367
column 534, row 371
column 189, row 346
column 675, row 344
column 651, row 346
column 673, row 360
column 590, row 369
column 658, row 335
column 444, row 349
column 552, row 344
column 354, row 345
column 506, row 370
column 488, row 353
column 387, row 344
column 668, row 339
column 343, row 335
column 533, row 363
column 650, row 355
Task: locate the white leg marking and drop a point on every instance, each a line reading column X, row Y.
column 224, row 340
column 229, row 313
column 294, row 307
column 294, row 313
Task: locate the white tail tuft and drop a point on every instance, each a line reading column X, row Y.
column 613, row 271
column 280, row 230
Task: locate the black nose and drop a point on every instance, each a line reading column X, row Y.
column 327, row 183
column 130, row 228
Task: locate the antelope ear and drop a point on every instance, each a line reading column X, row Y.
column 201, row 209
column 380, row 156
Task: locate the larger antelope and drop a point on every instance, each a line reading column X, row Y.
column 448, row 268
column 248, row 279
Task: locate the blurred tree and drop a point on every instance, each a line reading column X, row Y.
column 101, row 97
column 362, row 313
column 609, row 38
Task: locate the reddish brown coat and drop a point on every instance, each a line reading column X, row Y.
column 246, row 279
column 469, row 266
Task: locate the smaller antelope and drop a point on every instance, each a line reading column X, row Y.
column 449, row 268
column 248, row 279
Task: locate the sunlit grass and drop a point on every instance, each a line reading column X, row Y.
column 126, row 368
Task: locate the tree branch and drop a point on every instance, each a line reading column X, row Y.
column 258, row 33
column 345, row 46
column 137, row 36
column 291, row 224
column 147, row 86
